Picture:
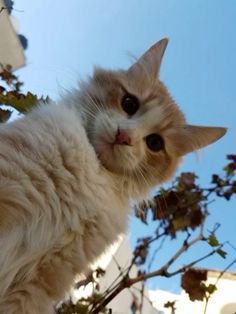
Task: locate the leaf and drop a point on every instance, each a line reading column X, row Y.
column 141, row 212
column 21, row 102
column 230, row 168
column 2, row 89
column 4, row 115
column 212, row 240
column 99, row 272
column 186, row 181
column 141, row 252
column 6, row 74
column 210, row 288
column 170, row 304
column 178, row 223
column 166, row 203
column 221, row 253
column 228, row 193
column 191, row 282
column 231, row 157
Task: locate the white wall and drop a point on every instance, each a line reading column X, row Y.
column 11, row 51
column 223, row 301
column 121, row 304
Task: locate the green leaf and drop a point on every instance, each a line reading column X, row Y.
column 211, row 288
column 212, row 240
column 221, row 253
column 178, row 223
column 229, row 169
column 21, row 102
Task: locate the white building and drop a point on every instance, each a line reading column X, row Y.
column 223, row 300
column 11, row 51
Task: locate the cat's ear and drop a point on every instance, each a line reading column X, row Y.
column 150, row 61
column 193, row 137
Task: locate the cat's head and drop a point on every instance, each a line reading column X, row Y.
column 136, row 128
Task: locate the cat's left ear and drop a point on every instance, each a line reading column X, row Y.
column 193, row 137
column 149, row 63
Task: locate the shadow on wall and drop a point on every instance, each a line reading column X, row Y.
column 229, row 308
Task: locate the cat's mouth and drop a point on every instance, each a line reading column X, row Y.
column 114, row 156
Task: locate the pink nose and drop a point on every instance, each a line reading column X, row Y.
column 122, row 138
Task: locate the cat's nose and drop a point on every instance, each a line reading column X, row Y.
column 122, row 138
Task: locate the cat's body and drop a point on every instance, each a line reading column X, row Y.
column 67, row 172
column 46, row 177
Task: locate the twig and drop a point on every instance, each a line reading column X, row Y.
column 2, row 9
column 155, row 253
column 142, row 298
column 224, row 270
column 85, row 281
column 144, row 295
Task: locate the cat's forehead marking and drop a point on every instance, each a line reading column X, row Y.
column 152, row 117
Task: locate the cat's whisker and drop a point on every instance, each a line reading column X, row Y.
column 89, row 112
column 93, row 103
column 141, row 173
column 97, row 103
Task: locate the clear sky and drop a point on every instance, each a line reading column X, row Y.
column 67, row 38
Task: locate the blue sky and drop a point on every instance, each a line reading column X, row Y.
column 67, row 39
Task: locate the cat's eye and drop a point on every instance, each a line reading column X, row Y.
column 130, row 104
column 154, row 142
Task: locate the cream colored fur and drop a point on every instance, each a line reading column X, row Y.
column 65, row 187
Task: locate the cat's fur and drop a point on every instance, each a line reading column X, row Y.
column 65, row 183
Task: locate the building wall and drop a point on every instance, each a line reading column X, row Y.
column 11, row 51
column 122, row 303
column 223, row 301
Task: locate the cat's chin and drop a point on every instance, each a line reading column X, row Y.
column 115, row 158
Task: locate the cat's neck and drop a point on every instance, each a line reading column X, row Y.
column 125, row 185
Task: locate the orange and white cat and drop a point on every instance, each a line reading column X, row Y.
column 68, row 170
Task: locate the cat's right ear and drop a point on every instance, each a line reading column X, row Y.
column 149, row 63
column 194, row 137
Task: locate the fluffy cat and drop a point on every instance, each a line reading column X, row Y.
column 67, row 171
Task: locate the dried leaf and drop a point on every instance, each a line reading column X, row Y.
column 186, row 181
column 191, row 282
column 5, row 115
column 171, row 305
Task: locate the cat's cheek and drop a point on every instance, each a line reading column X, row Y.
column 126, row 157
column 117, row 158
column 105, row 127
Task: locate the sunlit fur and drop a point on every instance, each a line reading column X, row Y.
column 65, row 185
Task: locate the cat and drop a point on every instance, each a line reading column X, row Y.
column 68, row 171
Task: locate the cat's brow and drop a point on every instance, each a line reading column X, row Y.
column 152, row 118
column 153, row 95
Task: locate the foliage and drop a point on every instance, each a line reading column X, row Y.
column 11, row 96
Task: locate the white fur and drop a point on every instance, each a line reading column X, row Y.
column 52, row 193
